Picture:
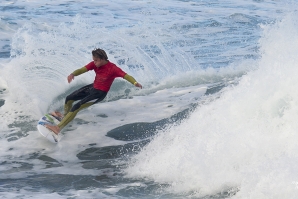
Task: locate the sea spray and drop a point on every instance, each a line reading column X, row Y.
column 244, row 140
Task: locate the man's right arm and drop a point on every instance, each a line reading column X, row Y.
column 76, row 73
column 79, row 71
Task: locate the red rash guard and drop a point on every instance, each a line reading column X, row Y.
column 105, row 75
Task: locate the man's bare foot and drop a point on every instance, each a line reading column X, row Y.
column 57, row 115
column 55, row 129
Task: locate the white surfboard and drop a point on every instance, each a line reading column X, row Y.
column 47, row 133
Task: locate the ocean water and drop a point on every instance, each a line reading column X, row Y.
column 216, row 118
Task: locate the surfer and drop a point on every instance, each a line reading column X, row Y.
column 88, row 95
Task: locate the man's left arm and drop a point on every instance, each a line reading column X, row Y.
column 132, row 80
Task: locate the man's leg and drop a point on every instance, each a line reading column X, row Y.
column 72, row 114
column 75, row 96
column 95, row 96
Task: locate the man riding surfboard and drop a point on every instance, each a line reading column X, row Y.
column 88, row 95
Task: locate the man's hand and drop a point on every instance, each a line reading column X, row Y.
column 70, row 78
column 138, row 85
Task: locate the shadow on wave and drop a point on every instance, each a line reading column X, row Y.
column 144, row 130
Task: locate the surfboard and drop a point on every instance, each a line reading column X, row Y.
column 44, row 131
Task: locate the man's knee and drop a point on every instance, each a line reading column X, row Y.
column 68, row 98
column 75, row 107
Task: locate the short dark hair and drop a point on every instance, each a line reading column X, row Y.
column 100, row 53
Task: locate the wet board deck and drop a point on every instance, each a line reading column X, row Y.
column 50, row 120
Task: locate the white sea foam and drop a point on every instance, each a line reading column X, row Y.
column 246, row 139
